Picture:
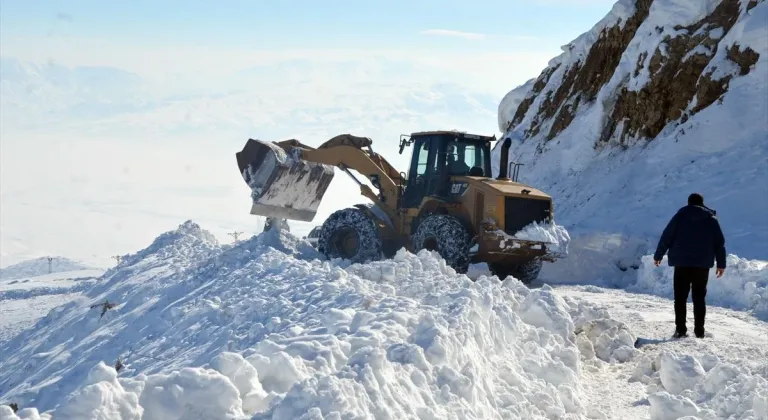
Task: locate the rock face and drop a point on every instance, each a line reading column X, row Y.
column 659, row 99
column 681, row 62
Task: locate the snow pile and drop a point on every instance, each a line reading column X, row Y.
column 682, row 385
column 600, row 336
column 556, row 237
column 608, row 339
column 101, row 396
column 659, row 99
column 6, row 413
column 180, row 245
column 268, row 329
column 39, row 266
column 743, row 286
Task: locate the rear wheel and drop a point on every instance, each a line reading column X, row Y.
column 350, row 234
column 446, row 235
column 525, row 272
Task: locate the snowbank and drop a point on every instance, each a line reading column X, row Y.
column 598, row 258
column 616, row 261
column 6, row 413
column 682, row 385
column 269, row 329
column 743, row 286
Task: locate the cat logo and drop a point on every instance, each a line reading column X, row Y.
column 459, row 188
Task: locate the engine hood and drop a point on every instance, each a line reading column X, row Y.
column 507, row 187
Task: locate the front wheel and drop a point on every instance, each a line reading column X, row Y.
column 446, row 235
column 350, row 234
column 525, row 272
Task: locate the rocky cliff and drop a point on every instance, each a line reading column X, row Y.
column 658, row 99
column 645, row 65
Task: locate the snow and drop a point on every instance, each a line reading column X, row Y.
column 723, row 376
column 555, row 236
column 267, row 327
column 39, row 266
column 19, row 314
column 510, row 102
column 743, row 286
column 45, row 282
column 611, row 262
column 25, row 300
column 748, row 32
column 608, row 339
column 681, row 386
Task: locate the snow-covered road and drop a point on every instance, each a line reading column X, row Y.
column 732, row 337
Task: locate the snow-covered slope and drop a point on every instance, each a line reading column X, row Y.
column 23, row 301
column 266, row 327
column 39, row 266
column 658, row 100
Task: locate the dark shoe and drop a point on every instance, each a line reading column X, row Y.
column 679, row 334
column 699, row 333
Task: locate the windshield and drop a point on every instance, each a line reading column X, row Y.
column 466, row 158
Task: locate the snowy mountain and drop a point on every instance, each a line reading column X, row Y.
column 189, row 328
column 658, row 100
column 31, row 91
column 39, row 266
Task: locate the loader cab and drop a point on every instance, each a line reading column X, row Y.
column 438, row 157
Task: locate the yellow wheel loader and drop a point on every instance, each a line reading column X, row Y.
column 448, row 202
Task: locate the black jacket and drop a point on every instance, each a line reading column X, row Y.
column 693, row 238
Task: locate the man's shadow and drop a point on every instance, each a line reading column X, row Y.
column 645, row 341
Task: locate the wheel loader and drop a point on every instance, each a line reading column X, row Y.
column 447, row 202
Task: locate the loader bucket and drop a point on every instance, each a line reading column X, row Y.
column 282, row 185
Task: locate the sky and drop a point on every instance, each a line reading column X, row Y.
column 305, row 24
column 120, row 120
column 158, row 39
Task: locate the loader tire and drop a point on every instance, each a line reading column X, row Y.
column 446, row 235
column 526, row 272
column 350, row 234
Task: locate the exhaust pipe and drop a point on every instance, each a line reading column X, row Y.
column 504, row 159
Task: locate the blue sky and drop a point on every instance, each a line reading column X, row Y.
column 303, row 24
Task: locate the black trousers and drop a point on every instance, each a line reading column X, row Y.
column 690, row 279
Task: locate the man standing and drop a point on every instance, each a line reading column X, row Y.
column 695, row 241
